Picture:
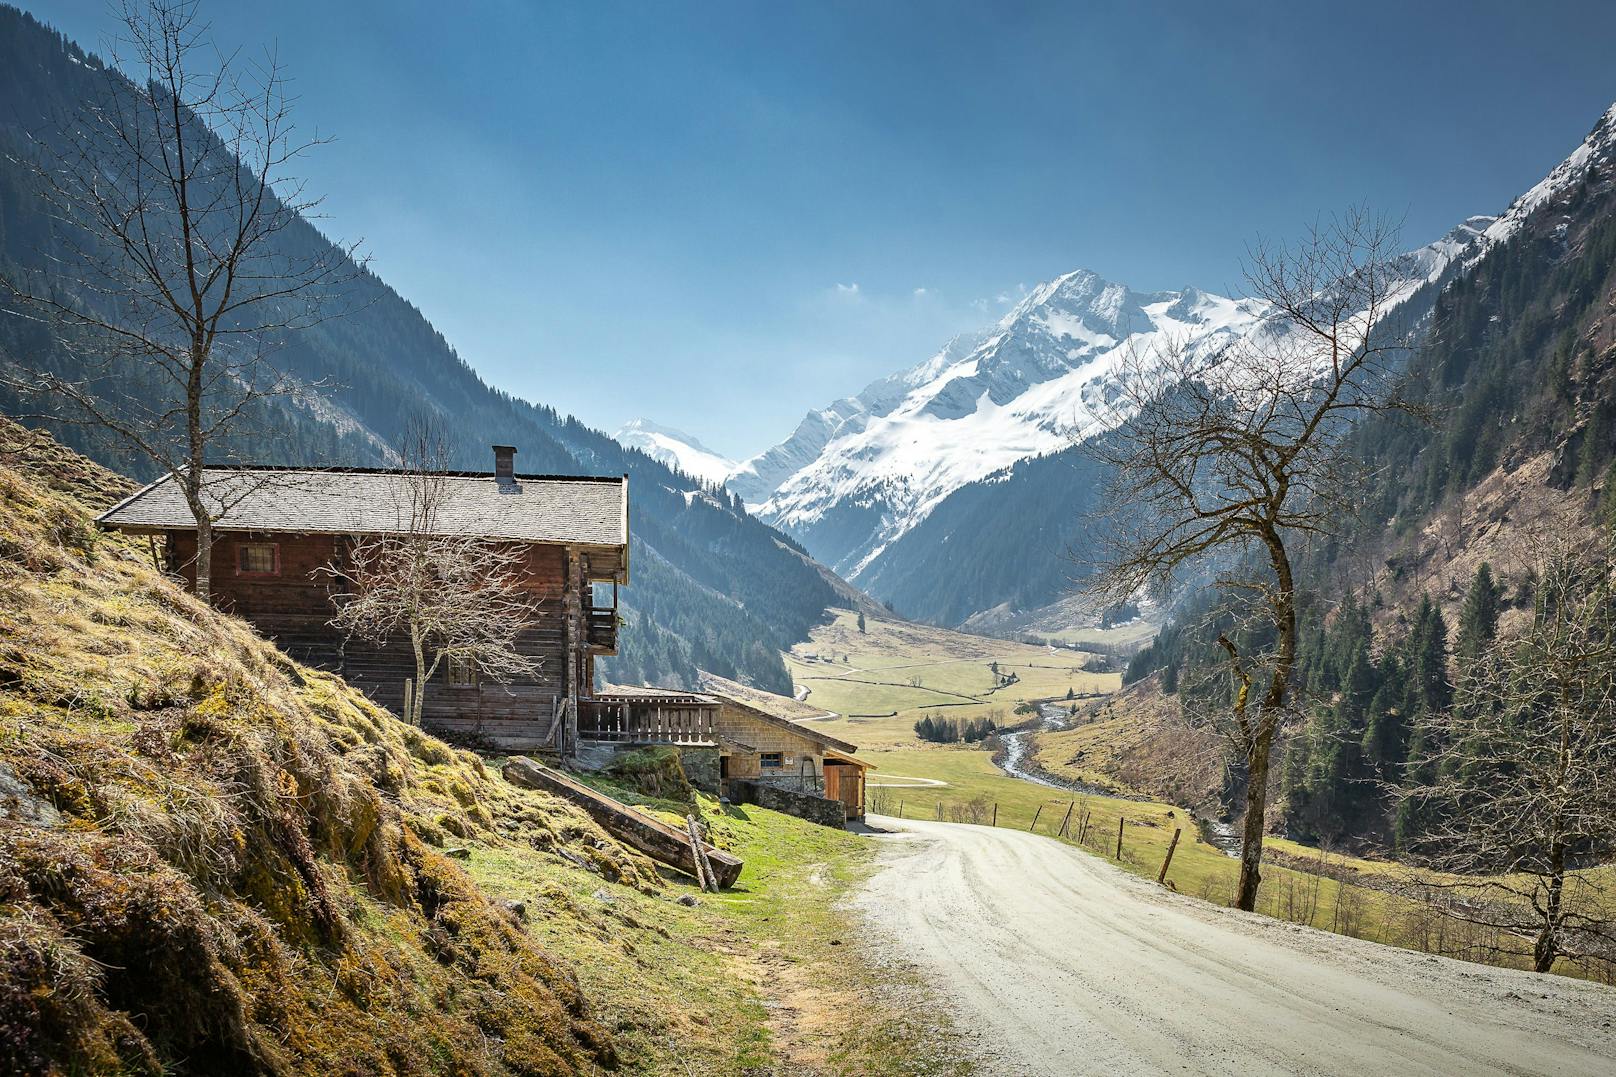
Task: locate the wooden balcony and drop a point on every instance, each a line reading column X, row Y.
column 651, row 717
column 600, row 628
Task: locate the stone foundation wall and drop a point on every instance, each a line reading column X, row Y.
column 701, row 767
column 810, row 806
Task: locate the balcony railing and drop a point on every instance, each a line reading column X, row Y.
column 636, row 719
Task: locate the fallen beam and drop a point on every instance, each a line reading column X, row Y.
column 654, row 838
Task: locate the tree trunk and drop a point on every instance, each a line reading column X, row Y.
column 1547, row 947
column 1260, row 756
column 414, row 717
column 1251, row 839
column 204, row 557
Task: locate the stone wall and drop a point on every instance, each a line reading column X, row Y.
column 701, row 767
column 810, row 806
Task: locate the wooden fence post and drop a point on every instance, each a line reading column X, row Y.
column 995, row 813
column 1161, row 876
column 900, row 809
column 1062, row 832
column 1120, row 821
column 1035, row 816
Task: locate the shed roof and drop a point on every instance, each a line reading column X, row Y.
column 548, row 509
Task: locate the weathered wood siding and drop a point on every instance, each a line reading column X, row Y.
column 803, row 758
column 294, row 609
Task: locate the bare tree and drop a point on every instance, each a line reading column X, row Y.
column 183, row 258
column 455, row 598
column 1233, row 455
column 1524, row 786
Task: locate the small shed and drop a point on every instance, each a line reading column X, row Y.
column 771, row 741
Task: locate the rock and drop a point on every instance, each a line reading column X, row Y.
column 603, row 896
column 19, row 801
column 459, row 852
column 689, row 901
column 518, row 909
column 572, row 857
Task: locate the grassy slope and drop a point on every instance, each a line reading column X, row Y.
column 952, row 668
column 1135, row 744
column 242, row 865
column 1361, row 905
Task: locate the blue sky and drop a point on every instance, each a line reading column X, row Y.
column 719, row 215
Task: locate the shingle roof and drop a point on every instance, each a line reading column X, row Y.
column 802, row 729
column 536, row 508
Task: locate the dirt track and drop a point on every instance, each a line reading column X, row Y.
column 1062, row 964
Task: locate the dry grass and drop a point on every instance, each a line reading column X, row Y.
column 1136, row 744
column 214, row 858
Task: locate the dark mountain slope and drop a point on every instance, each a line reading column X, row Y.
column 728, row 592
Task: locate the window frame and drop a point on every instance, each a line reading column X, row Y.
column 765, row 757
column 274, row 556
column 461, row 672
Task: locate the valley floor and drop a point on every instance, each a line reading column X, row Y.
column 1065, row 964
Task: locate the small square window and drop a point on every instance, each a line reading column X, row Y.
column 771, row 759
column 462, row 672
column 258, row 559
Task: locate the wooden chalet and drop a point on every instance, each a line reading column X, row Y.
column 282, row 525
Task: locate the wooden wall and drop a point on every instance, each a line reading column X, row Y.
column 294, row 608
column 737, row 723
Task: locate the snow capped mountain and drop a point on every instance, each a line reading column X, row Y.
column 859, row 474
column 676, row 449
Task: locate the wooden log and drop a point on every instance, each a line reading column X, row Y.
column 1161, row 876
column 654, row 838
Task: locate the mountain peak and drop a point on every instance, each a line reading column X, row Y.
column 676, row 449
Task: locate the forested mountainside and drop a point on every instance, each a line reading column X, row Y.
column 712, row 587
column 1458, row 516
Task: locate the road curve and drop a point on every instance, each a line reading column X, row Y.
column 1060, row 963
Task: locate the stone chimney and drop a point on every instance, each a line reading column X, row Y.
column 505, row 465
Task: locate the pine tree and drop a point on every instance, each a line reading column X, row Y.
column 1478, row 620
column 1428, row 658
column 861, row 622
column 1385, row 743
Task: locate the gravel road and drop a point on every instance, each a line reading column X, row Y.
column 1059, row 963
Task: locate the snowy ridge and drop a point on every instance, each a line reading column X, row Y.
column 1599, row 146
column 676, row 449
